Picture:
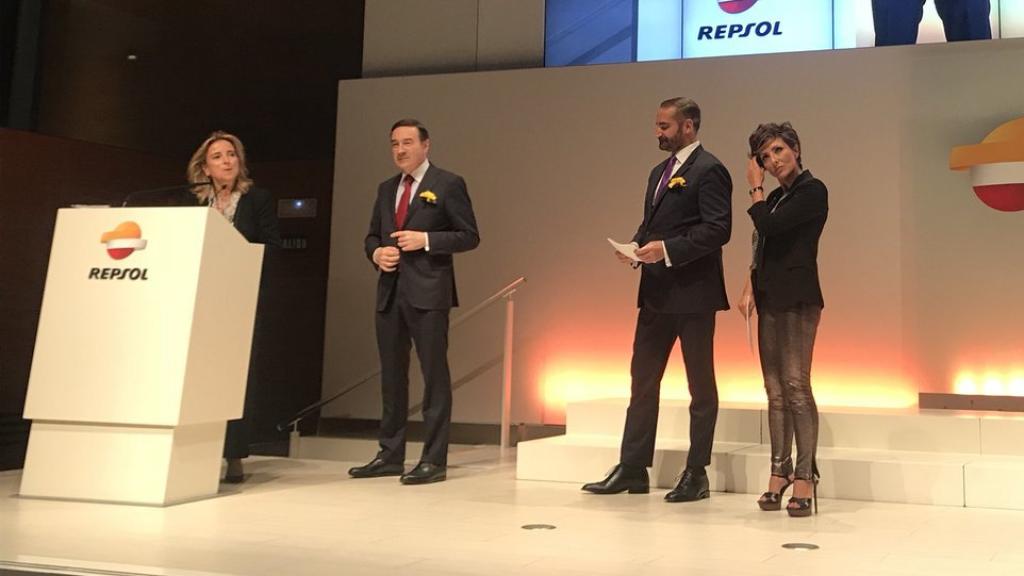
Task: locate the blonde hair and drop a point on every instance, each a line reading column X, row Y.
column 195, row 173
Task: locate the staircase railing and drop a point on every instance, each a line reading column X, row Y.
column 505, row 294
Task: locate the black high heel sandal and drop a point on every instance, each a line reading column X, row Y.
column 803, row 505
column 772, row 501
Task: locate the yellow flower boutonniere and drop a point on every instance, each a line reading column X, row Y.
column 428, row 197
column 677, row 182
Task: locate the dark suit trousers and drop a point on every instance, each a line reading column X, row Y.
column 655, row 335
column 897, row 21
column 400, row 326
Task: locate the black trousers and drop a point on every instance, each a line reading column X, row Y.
column 897, row 21
column 655, row 335
column 238, row 435
column 400, row 326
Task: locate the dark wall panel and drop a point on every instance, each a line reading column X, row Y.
column 38, row 175
column 265, row 70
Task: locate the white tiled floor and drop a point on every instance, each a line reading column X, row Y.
column 299, row 517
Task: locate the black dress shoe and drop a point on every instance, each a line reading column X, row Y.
column 375, row 469
column 691, row 487
column 425, row 473
column 622, row 479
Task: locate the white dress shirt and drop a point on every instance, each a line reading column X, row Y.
column 681, row 157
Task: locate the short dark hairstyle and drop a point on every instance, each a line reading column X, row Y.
column 685, row 109
column 412, row 123
column 765, row 133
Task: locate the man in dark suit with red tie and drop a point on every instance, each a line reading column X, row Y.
column 422, row 217
column 687, row 220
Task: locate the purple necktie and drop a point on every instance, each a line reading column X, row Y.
column 665, row 176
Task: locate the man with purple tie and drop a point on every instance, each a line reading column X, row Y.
column 687, row 220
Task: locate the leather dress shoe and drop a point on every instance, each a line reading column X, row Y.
column 376, row 468
column 691, row 487
column 622, row 479
column 425, row 473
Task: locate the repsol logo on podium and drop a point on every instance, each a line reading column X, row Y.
column 118, row 273
column 726, row 31
column 121, row 242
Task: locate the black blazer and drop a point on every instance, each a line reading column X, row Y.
column 255, row 215
column 695, row 221
column 426, row 279
column 256, row 218
column 786, row 271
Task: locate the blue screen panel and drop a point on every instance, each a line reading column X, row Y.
column 589, row 32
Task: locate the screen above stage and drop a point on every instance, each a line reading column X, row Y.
column 581, row 32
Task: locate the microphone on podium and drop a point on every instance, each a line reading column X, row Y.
column 164, row 196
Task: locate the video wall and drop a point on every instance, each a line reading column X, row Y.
column 581, row 32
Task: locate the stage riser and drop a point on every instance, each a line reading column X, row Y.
column 608, row 417
column 930, row 457
column 589, row 459
column 994, row 484
column 928, row 431
column 911, row 478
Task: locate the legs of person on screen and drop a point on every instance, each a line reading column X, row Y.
column 897, row 21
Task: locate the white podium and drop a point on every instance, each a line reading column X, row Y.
column 141, row 355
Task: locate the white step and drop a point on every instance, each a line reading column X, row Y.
column 994, row 482
column 907, row 456
column 871, row 475
column 866, row 429
column 736, row 422
column 585, row 458
column 1002, row 434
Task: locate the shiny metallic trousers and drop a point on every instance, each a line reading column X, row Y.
column 786, row 342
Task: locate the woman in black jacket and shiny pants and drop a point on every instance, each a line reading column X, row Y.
column 785, row 290
column 221, row 178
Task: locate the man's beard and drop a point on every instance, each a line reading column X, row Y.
column 668, row 144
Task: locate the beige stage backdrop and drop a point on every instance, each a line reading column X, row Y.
column 922, row 281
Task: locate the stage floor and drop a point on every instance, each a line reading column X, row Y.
column 305, row 517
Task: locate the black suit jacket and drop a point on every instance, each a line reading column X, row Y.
column 695, row 221
column 255, row 215
column 256, row 218
column 426, row 279
column 786, row 271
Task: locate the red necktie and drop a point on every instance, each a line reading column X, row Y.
column 403, row 202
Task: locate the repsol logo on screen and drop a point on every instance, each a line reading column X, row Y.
column 121, row 242
column 726, row 31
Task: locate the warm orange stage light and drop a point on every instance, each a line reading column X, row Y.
column 572, row 381
column 989, row 382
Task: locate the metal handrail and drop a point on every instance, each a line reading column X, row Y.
column 302, row 414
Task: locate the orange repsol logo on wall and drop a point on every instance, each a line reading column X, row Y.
column 121, row 242
column 996, row 165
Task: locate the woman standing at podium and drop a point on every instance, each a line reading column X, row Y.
column 220, row 162
column 784, row 287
